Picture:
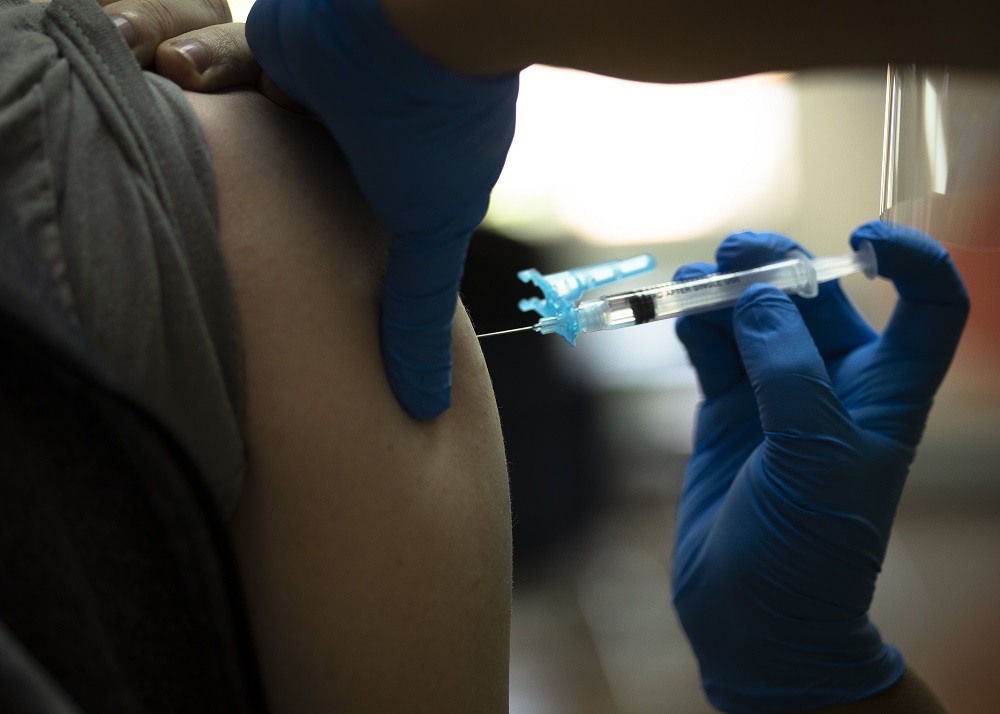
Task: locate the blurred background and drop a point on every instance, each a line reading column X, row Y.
column 598, row 434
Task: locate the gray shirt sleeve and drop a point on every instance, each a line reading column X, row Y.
column 108, row 172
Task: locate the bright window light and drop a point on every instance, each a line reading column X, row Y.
column 627, row 162
column 240, row 9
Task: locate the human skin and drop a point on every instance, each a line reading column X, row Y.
column 671, row 41
column 375, row 550
column 193, row 43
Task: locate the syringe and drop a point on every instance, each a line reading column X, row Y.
column 564, row 313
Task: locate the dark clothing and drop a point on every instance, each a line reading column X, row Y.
column 107, row 171
column 120, row 385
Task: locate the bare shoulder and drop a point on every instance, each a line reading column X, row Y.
column 375, row 550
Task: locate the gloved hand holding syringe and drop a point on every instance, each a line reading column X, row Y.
column 564, row 312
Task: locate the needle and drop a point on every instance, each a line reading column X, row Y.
column 507, row 332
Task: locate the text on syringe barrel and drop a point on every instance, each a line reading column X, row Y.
column 686, row 297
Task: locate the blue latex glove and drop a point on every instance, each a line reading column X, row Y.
column 426, row 147
column 809, row 424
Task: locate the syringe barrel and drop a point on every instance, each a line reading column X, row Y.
column 795, row 275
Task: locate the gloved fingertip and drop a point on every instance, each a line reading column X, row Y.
column 867, row 231
column 767, row 324
column 877, row 228
column 423, row 394
column 921, row 268
column 884, row 238
column 708, row 339
column 750, row 249
column 775, row 342
column 691, row 271
column 423, row 390
column 416, row 352
column 720, row 318
column 763, row 295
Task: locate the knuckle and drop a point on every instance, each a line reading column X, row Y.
column 165, row 18
column 158, row 17
column 227, row 46
column 220, row 10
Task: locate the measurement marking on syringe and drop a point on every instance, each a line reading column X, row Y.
column 693, row 286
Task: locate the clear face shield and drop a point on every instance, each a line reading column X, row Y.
column 941, row 157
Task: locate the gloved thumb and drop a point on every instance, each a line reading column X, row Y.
column 794, row 393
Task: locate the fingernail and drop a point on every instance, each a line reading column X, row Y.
column 125, row 28
column 196, row 53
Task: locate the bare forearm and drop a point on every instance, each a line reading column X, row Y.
column 673, row 41
column 910, row 695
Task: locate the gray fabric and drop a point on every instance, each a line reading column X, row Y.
column 118, row 585
column 108, row 172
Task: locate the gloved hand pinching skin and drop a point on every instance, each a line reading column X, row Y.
column 809, row 424
column 426, row 147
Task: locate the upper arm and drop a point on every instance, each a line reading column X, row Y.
column 374, row 549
